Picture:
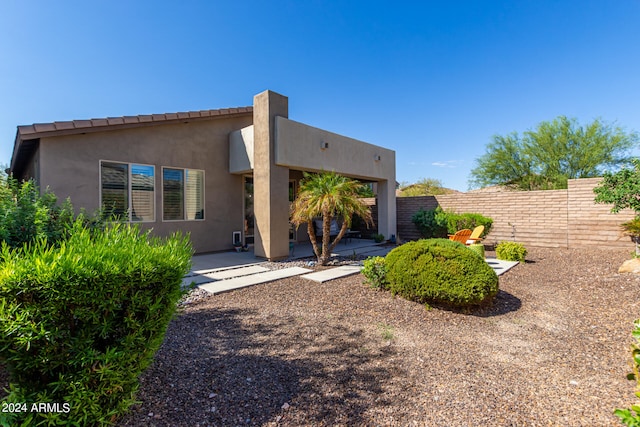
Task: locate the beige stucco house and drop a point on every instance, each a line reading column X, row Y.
column 221, row 175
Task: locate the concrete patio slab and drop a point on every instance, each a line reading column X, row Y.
column 229, row 273
column 333, row 273
column 254, row 279
column 205, row 263
column 345, row 247
column 501, row 266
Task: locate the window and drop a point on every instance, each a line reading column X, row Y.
column 128, row 191
column 182, row 194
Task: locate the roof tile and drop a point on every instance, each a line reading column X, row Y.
column 115, row 121
column 131, row 119
column 63, row 125
column 44, row 127
column 79, row 124
column 99, row 122
column 26, row 129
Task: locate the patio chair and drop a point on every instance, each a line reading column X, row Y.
column 461, row 236
column 475, row 235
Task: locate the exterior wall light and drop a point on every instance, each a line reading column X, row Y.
column 324, row 145
column 377, row 157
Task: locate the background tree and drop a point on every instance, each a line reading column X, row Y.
column 545, row 158
column 328, row 195
column 424, row 187
column 622, row 190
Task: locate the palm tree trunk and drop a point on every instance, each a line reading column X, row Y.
column 312, row 238
column 326, row 238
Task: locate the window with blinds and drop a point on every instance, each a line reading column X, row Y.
column 182, row 194
column 194, row 195
column 114, row 179
column 142, row 193
column 127, row 191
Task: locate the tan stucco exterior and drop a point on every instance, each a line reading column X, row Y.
column 69, row 166
column 227, row 145
column 299, row 146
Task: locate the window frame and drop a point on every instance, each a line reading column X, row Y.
column 184, row 194
column 129, row 188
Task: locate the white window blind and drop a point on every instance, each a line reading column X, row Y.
column 183, row 194
column 142, row 194
column 115, row 188
column 128, row 191
column 194, row 197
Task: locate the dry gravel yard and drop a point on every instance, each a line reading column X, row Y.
column 552, row 351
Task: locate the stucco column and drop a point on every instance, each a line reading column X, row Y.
column 387, row 202
column 270, row 181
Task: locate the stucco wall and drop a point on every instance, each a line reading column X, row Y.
column 304, row 147
column 557, row 218
column 70, row 166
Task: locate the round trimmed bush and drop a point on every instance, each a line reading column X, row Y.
column 440, row 271
column 478, row 248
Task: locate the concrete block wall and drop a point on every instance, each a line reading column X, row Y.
column 591, row 223
column 554, row 218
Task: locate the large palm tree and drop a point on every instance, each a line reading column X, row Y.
column 328, row 195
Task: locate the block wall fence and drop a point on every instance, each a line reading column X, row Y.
column 553, row 218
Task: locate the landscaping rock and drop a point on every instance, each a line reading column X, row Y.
column 630, row 266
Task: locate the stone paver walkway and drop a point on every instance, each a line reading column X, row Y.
column 333, row 273
column 238, row 282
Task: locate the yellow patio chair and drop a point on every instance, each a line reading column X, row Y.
column 475, row 235
column 461, row 236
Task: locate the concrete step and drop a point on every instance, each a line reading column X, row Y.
column 236, row 272
column 208, row 276
column 500, row 266
column 250, row 280
column 333, row 273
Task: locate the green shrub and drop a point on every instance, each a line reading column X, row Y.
column 468, row 220
column 631, row 417
column 478, row 248
column 431, row 223
column 26, row 215
column 440, row 271
column 438, row 223
column 80, row 321
column 511, row 251
column 378, row 238
column 375, row 271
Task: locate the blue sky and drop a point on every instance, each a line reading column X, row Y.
column 433, row 80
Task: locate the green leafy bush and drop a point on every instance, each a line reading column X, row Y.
column 631, row 417
column 440, row 271
column 81, row 320
column 431, row 223
column 437, row 223
column 26, row 215
column 511, row 251
column 478, row 248
column 375, row 271
column 378, row 238
column 456, row 221
column 632, row 228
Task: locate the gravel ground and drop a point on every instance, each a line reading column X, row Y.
column 553, row 350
